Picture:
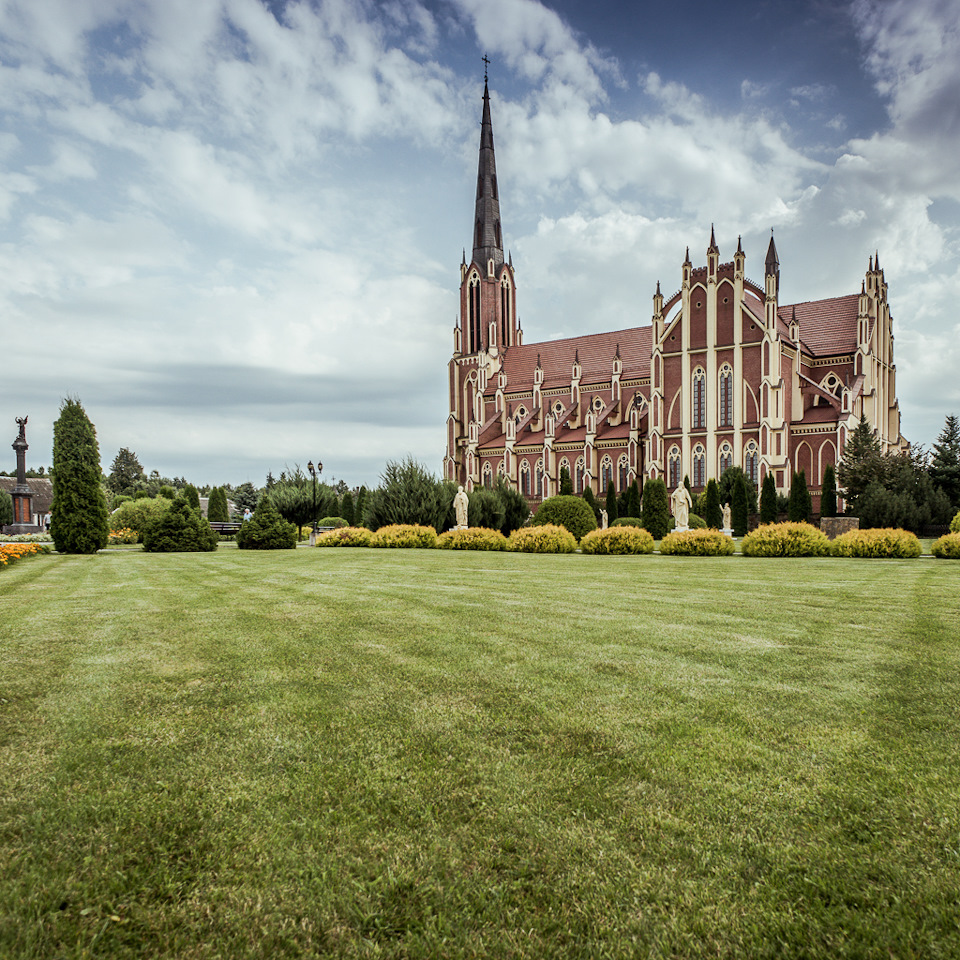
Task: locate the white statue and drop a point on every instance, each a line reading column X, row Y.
column 680, row 504
column 603, row 519
column 461, row 504
column 726, row 519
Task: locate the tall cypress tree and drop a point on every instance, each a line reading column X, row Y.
column 740, row 507
column 566, row 484
column 655, row 511
column 768, row 500
column 611, row 504
column 79, row 510
column 217, row 509
column 591, row 501
column 346, row 507
column 828, row 492
column 713, row 512
column 633, row 500
column 799, row 508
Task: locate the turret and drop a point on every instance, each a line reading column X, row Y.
column 771, row 270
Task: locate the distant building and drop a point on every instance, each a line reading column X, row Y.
column 724, row 375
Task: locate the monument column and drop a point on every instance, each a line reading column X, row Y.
column 22, row 494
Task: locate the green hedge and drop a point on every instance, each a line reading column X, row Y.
column 332, row 522
column 697, row 543
column 876, row 543
column 786, row 540
column 617, row 541
column 627, row 522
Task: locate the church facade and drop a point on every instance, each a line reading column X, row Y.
column 723, row 375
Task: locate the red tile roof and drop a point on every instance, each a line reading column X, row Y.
column 827, row 327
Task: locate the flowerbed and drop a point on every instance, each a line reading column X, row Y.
column 123, row 535
column 11, row 552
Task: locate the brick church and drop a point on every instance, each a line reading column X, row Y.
column 723, row 375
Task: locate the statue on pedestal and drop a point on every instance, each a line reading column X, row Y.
column 680, row 504
column 727, row 528
column 461, row 505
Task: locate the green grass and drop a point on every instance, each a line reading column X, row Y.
column 365, row 753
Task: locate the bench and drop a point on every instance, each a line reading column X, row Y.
column 225, row 526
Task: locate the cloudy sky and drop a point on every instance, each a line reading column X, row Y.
column 232, row 228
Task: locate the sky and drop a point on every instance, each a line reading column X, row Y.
column 233, row 228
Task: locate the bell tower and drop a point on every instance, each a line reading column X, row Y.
column 488, row 303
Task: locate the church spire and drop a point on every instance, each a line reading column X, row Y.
column 772, row 265
column 487, row 238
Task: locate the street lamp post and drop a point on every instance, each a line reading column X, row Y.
column 313, row 473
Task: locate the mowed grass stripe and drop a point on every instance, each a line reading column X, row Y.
column 406, row 753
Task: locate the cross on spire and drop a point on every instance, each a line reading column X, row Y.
column 486, row 63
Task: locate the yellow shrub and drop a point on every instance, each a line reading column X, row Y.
column 346, row 537
column 955, row 523
column 546, row 538
column 786, row 540
column 617, row 541
column 697, row 543
column 405, row 535
column 876, row 543
column 947, row 547
column 473, row 538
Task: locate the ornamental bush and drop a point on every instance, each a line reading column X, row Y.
column 694, row 522
column 484, row 509
column 786, row 540
column 332, row 522
column 6, row 508
column 617, row 541
column 627, row 522
column 876, row 542
column 346, row 537
column 137, row 514
column 266, row 530
column 180, row 529
column 473, row 538
column 955, row 524
column 947, row 547
column 405, row 535
column 697, row 543
column 543, row 538
column 218, row 511
column 566, row 511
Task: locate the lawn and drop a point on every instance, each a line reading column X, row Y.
column 424, row 754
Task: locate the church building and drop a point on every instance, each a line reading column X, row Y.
column 723, row 375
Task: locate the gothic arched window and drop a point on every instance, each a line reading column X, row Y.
column 538, row 479
column 606, row 474
column 673, row 467
column 699, row 466
column 699, row 400
column 726, row 396
column 487, row 475
column 751, row 462
column 726, row 458
column 623, row 472
column 578, row 483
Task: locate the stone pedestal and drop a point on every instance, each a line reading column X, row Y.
column 834, row 526
column 728, row 531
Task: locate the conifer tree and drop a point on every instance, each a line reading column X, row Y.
column 799, row 508
column 79, row 509
column 346, row 508
column 768, row 500
column 6, row 508
column 655, row 509
column 713, row 515
column 633, row 500
column 191, row 495
column 740, row 507
column 591, row 500
column 945, row 462
column 217, row 508
column 611, row 504
column 360, row 507
column 566, row 484
column 828, row 492
column 861, row 464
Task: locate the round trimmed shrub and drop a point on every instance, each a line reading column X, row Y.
column 570, row 512
column 617, row 541
column 876, row 542
column 405, row 535
column 786, row 540
column 544, row 538
column 955, row 523
column 332, row 522
column 627, row 522
column 947, row 547
column 697, row 543
column 267, row 530
column 180, row 529
column 473, row 538
column 345, row 537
